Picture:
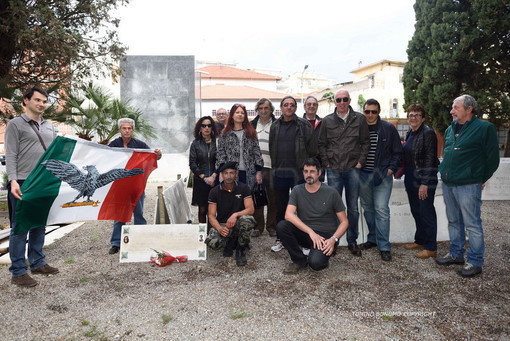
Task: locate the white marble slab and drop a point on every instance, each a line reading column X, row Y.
column 177, row 205
column 138, row 242
column 498, row 186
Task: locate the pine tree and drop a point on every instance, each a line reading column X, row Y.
column 459, row 46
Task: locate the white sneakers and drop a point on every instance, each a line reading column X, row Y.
column 277, row 247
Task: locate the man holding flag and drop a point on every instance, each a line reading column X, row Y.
column 125, row 140
column 26, row 139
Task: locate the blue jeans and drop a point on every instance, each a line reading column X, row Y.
column 17, row 242
column 348, row 178
column 139, row 220
column 424, row 213
column 375, row 203
column 463, row 210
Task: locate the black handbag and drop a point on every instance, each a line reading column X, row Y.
column 259, row 195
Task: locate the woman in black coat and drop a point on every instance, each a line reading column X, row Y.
column 420, row 171
column 202, row 160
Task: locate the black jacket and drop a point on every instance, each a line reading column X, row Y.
column 424, row 155
column 305, row 147
column 389, row 150
column 202, row 160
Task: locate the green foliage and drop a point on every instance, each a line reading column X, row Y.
column 69, row 260
column 234, row 315
column 53, row 42
column 329, row 96
column 459, row 47
column 361, row 101
column 166, row 318
column 93, row 112
column 84, row 322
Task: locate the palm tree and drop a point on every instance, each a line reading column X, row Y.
column 95, row 112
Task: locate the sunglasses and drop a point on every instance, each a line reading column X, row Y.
column 292, row 105
column 374, row 112
column 206, row 125
column 340, row 99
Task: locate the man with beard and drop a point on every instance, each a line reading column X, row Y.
column 230, row 214
column 315, row 219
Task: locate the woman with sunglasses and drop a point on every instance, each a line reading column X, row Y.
column 202, row 162
column 238, row 143
column 420, row 171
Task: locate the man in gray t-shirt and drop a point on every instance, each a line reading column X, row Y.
column 315, row 218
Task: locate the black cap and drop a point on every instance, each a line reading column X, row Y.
column 228, row 165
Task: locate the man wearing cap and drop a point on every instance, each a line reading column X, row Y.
column 230, row 214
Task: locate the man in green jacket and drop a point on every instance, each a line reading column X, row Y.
column 470, row 157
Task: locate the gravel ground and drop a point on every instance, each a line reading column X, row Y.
column 94, row 297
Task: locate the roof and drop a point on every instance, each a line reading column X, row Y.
column 228, row 72
column 238, row 92
column 384, row 61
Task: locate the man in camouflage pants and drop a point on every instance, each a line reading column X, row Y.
column 230, row 214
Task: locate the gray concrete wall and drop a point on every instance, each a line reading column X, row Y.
column 163, row 88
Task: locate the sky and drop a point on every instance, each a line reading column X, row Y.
column 332, row 37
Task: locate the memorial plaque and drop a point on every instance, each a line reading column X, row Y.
column 138, row 242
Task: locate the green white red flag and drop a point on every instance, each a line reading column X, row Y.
column 78, row 180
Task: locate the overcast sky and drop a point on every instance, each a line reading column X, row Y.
column 329, row 36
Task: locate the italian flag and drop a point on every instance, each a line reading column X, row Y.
column 51, row 192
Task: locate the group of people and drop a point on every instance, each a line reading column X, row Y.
column 357, row 152
column 290, row 155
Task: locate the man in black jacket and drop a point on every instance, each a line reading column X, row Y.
column 343, row 148
column 376, row 178
column 290, row 145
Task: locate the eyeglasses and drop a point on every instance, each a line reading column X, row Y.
column 374, row 112
column 206, row 125
column 340, row 99
column 414, row 115
column 221, row 114
column 292, row 105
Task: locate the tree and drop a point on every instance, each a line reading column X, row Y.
column 361, row 101
column 459, row 46
column 93, row 113
column 55, row 42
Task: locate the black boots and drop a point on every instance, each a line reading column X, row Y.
column 241, row 256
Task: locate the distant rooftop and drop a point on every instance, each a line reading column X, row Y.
column 228, row 72
column 229, row 92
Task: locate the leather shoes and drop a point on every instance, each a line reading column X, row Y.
column 114, row 249
column 386, row 256
column 24, row 281
column 423, row 254
column 355, row 250
column 367, row 245
column 413, row 246
column 272, row 233
column 45, row 270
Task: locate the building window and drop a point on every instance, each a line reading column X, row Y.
column 394, row 108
